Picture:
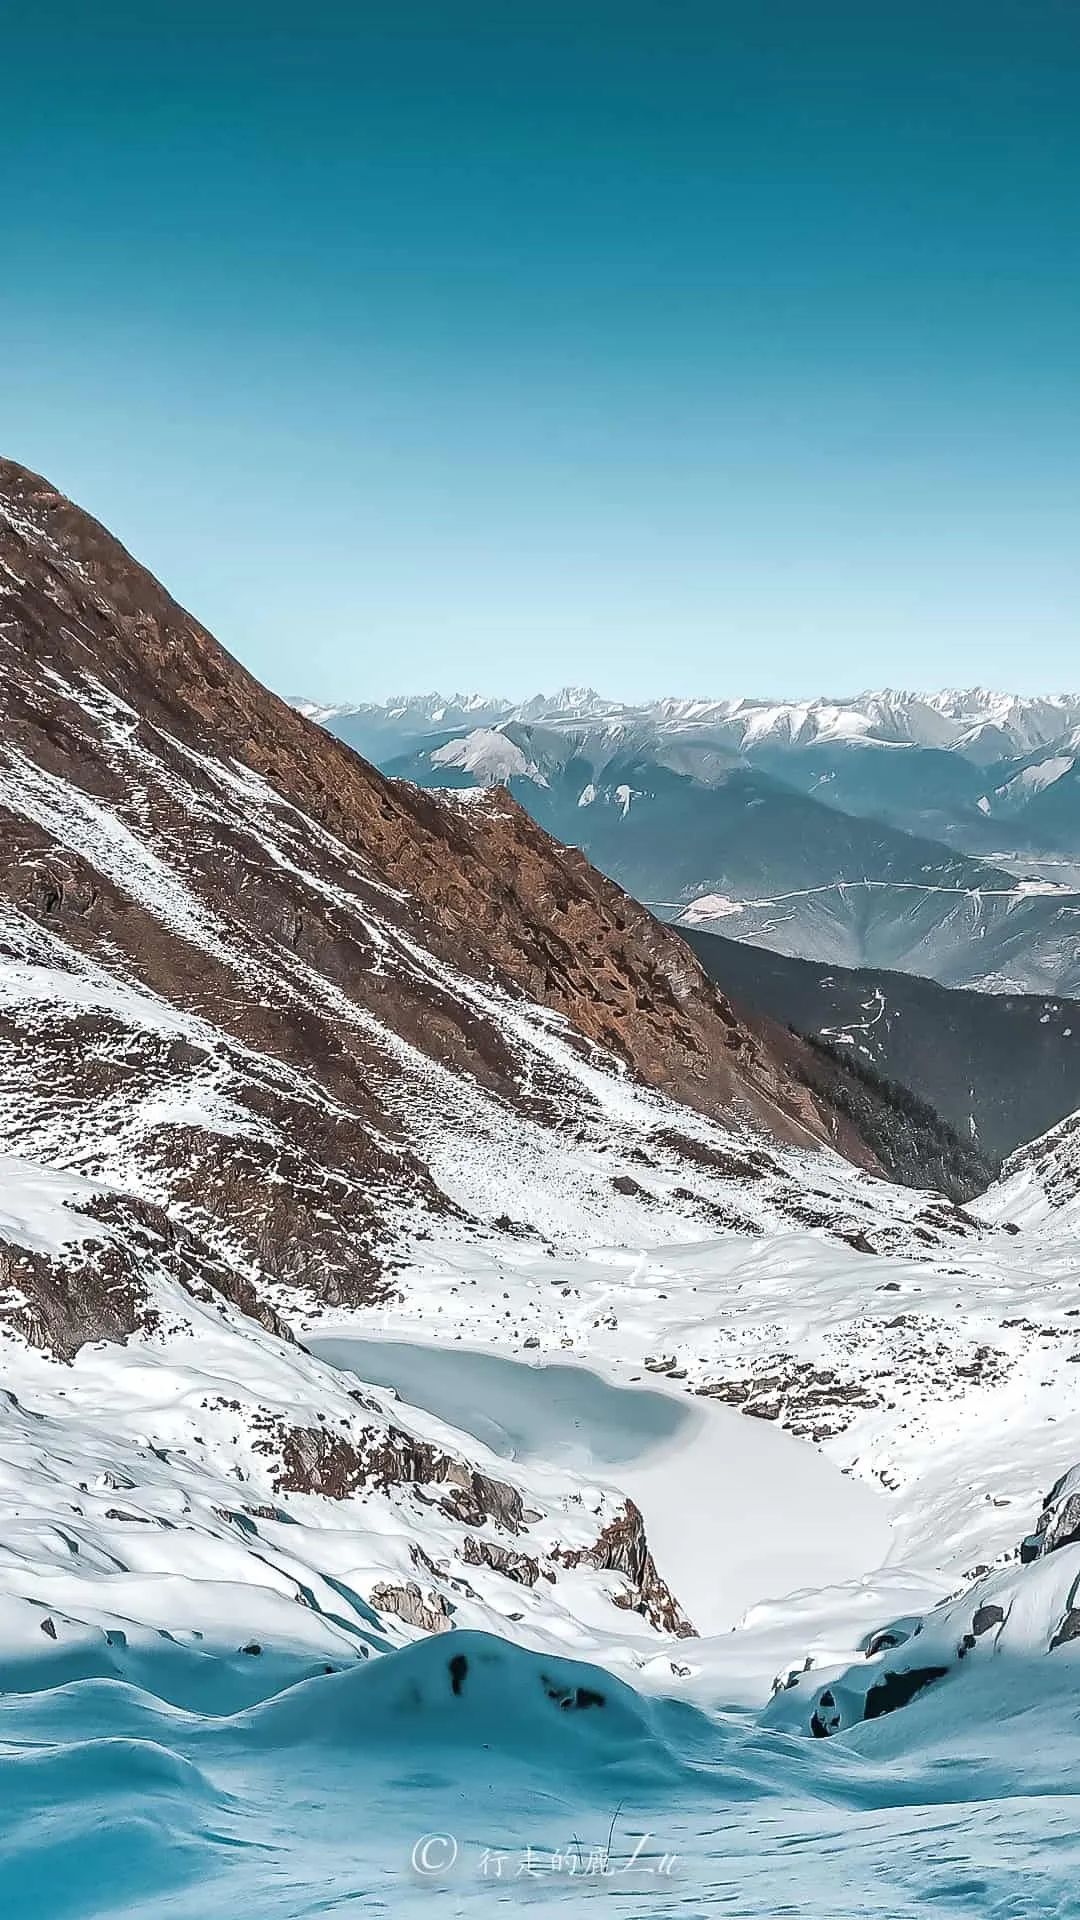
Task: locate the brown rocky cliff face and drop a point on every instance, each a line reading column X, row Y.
column 479, row 887
column 101, row 1288
column 621, row 1547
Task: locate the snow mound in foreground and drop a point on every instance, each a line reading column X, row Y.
column 472, row 1690
column 463, row 1760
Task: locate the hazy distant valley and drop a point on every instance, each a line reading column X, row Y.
column 929, row 834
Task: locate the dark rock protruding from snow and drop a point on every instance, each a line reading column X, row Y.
column 1058, row 1524
column 1028, row 1609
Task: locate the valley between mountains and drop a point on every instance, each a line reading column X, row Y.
column 937, row 834
column 459, row 1362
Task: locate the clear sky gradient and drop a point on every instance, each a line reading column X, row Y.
column 669, row 345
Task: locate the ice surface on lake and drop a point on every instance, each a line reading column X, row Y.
column 734, row 1511
column 552, row 1412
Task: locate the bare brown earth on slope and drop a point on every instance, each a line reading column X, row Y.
column 480, row 887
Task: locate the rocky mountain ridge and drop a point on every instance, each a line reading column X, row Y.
column 263, row 975
column 977, row 723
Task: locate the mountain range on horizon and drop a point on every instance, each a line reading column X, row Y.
column 982, row 723
column 935, row 834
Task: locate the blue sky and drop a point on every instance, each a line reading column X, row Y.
column 673, row 347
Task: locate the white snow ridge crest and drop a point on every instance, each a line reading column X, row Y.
column 447, row 1372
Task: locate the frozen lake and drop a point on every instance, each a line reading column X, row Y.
column 736, row 1511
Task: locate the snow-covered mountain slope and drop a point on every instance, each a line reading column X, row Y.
column 293, row 1058
column 193, row 1475
column 211, row 1549
column 989, row 934
column 1008, row 1621
column 1032, row 775
column 1040, row 1184
column 295, row 1020
column 477, row 1775
column 283, row 995
column 1038, row 798
column 781, row 869
column 214, row 1556
column 943, row 1369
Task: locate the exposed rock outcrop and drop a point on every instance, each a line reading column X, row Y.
column 336, row 1465
column 622, row 1548
column 430, row 1612
column 99, row 1287
column 1058, row 1524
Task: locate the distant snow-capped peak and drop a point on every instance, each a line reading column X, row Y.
column 981, row 724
